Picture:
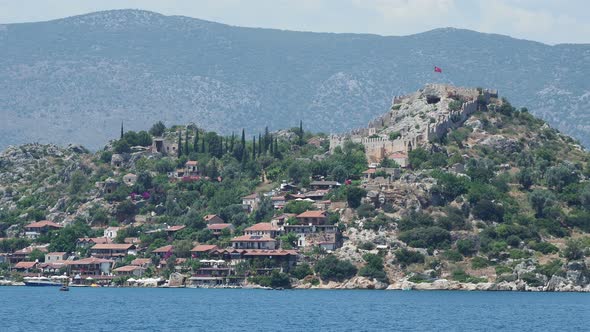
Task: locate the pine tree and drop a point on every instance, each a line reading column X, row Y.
column 121, row 129
column 186, row 145
column 179, row 148
column 196, row 141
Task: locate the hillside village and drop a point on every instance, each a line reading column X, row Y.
column 452, row 188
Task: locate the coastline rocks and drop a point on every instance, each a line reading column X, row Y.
column 176, row 280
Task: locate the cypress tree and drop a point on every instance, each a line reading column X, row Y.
column 186, row 147
column 276, row 146
column 121, row 129
column 266, row 136
column 300, row 132
column 231, row 144
column 260, row 144
column 243, row 138
column 196, row 141
column 179, row 147
column 253, row 147
column 272, row 148
column 203, row 143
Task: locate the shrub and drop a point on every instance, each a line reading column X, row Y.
column 406, row 257
column 452, row 255
column 488, row 211
column 373, row 268
column 531, row 279
column 301, row 271
column 503, row 269
column 513, row 241
column 354, row 195
column 331, row 268
column 479, row 263
column 461, row 276
column 367, row 245
column 543, row 247
column 574, row 250
column 550, row 269
column 466, row 247
column 519, row 254
column 366, row 211
column 427, row 237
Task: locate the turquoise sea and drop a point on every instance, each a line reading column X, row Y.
column 140, row 309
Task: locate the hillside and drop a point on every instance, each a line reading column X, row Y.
column 488, row 197
column 76, row 79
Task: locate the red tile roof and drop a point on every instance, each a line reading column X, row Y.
column 113, row 246
column 56, row 253
column 191, row 163
column 261, row 227
column 251, row 196
column 25, row 265
column 164, row 249
column 95, row 240
column 128, row 268
column 312, row 214
column 141, row 261
column 252, row 238
column 89, row 261
column 214, row 227
column 204, row 248
column 270, row 252
column 43, row 223
column 175, row 228
column 370, row 171
column 211, row 216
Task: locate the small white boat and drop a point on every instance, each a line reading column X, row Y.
column 40, row 281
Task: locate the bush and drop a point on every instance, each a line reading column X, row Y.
column 427, row 237
column 453, row 255
column 550, row 269
column 406, row 257
column 331, row 268
column 373, row 268
column 275, row 280
column 354, row 195
column 301, row 271
column 367, row 245
column 461, row 276
column 488, row 211
column 543, row 247
column 513, row 241
column 366, row 211
column 574, row 250
column 479, row 263
column 531, row 279
column 503, row 269
column 466, row 247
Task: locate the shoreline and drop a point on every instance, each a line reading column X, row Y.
column 405, row 286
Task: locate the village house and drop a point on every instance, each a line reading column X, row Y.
column 55, row 267
column 115, row 251
column 132, row 240
column 171, row 230
column 91, row 266
column 250, row 202
column 316, row 195
column 253, row 242
column 324, row 184
column 212, row 273
column 129, row 270
column 191, row 168
column 129, row 179
column 164, row 252
column 25, row 267
column 202, row 250
column 312, row 218
column 55, row 256
column 217, row 229
column 265, row 229
column 33, row 230
column 279, row 201
column 211, row 219
column 400, row 158
column 143, row 262
column 23, row 254
column 86, row 242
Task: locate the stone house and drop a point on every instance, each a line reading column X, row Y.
column 129, row 179
column 55, row 256
column 250, row 202
column 312, row 218
column 211, row 219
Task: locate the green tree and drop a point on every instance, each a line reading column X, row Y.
column 179, row 148
column 158, row 129
column 354, row 195
column 301, row 271
column 540, row 200
column 525, row 178
column 407, row 257
column 331, row 268
column 77, row 182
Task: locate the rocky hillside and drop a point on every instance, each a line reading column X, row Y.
column 499, row 201
column 76, row 79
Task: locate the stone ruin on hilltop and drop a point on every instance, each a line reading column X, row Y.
column 414, row 120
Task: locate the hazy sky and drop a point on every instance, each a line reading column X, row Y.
column 548, row 21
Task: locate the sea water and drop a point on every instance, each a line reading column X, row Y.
column 144, row 309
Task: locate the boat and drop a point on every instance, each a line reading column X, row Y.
column 40, row 281
column 64, row 288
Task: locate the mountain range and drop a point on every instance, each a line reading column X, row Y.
column 74, row 80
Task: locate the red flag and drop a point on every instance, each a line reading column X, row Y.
column 437, row 69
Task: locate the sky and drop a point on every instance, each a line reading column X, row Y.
column 547, row 21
